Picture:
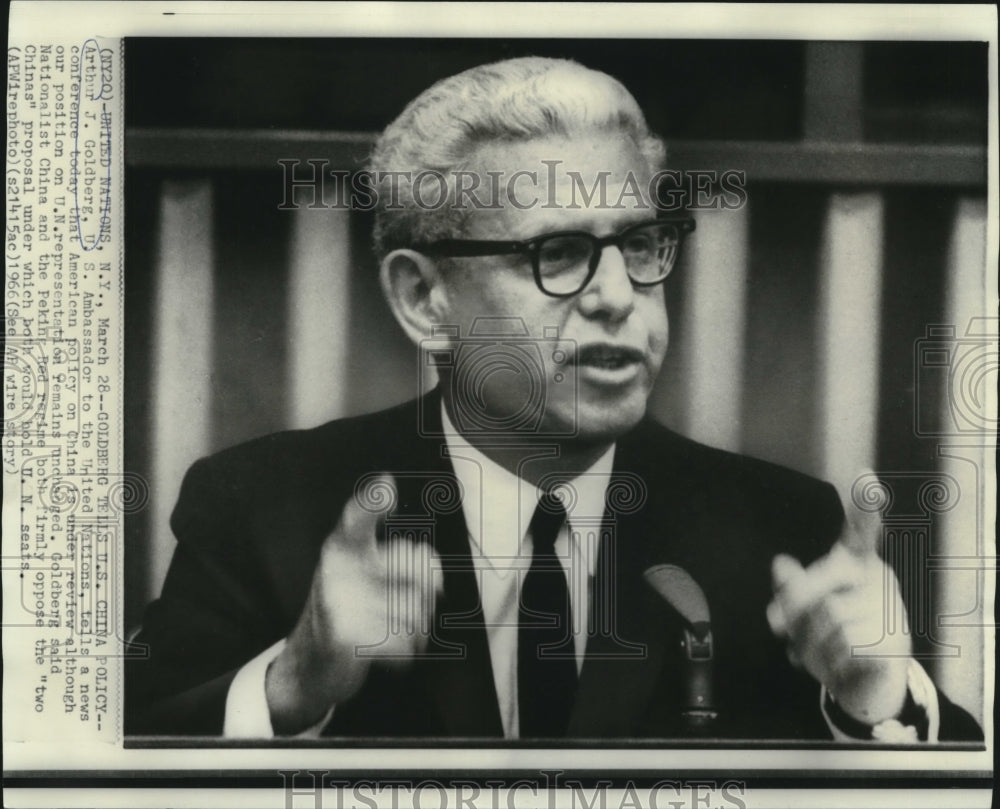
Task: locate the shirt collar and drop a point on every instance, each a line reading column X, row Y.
column 498, row 505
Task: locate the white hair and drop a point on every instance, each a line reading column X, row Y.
column 513, row 100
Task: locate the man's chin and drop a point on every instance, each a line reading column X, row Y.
column 605, row 425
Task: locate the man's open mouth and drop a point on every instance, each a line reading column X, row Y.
column 608, row 356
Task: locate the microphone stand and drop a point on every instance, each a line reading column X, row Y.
column 679, row 589
column 698, row 713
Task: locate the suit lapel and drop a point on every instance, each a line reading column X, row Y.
column 631, row 651
column 456, row 671
column 626, row 646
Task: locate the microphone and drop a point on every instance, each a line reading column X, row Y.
column 677, row 588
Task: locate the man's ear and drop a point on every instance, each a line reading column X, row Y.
column 413, row 286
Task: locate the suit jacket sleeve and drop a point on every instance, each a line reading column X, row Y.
column 211, row 618
column 957, row 725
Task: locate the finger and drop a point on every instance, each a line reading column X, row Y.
column 784, row 569
column 365, row 512
column 832, row 656
column 433, row 590
column 414, row 572
column 417, row 563
column 776, row 619
column 801, row 589
column 409, row 614
column 437, row 574
column 862, row 532
column 410, row 562
column 825, row 638
column 813, row 632
column 812, row 641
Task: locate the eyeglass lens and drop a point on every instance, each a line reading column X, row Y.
column 565, row 261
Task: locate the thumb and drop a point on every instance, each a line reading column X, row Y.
column 862, row 531
column 361, row 521
column 784, row 569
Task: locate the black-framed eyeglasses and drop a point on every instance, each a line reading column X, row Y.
column 564, row 262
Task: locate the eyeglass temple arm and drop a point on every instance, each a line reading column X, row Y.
column 459, row 248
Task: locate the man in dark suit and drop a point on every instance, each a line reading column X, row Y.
column 485, row 562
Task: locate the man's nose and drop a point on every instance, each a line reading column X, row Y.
column 610, row 292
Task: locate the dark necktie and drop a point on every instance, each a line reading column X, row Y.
column 546, row 658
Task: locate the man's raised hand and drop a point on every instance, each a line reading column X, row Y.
column 835, row 615
column 360, row 608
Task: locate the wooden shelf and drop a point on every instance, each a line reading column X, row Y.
column 841, row 163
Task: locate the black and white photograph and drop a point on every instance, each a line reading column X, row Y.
column 497, row 421
column 502, row 394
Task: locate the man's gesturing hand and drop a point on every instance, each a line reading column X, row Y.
column 356, row 599
column 838, row 617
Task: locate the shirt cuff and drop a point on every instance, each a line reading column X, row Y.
column 921, row 693
column 247, row 714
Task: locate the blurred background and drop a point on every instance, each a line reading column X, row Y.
column 835, row 323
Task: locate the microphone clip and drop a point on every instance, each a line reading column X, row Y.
column 676, row 586
column 697, row 709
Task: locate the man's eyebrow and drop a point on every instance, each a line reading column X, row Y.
column 593, row 226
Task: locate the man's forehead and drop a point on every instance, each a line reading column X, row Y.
column 562, row 156
column 595, row 181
